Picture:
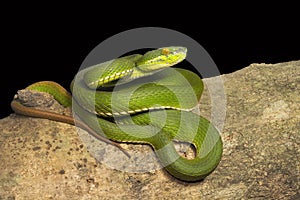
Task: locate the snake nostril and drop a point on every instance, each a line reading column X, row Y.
column 185, row 149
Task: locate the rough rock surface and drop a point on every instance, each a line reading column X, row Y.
column 43, row 159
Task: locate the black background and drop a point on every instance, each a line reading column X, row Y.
column 50, row 44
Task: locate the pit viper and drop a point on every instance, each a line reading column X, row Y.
column 141, row 99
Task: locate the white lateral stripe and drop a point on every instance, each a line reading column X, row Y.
column 111, row 77
column 122, row 113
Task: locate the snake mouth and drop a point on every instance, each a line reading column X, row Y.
column 185, row 149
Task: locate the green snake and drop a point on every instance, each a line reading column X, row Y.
column 141, row 99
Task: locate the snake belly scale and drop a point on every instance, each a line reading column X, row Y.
column 141, row 99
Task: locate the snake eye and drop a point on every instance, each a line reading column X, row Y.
column 165, row 51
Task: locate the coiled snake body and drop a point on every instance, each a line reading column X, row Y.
column 140, row 99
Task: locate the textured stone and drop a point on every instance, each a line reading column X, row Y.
column 259, row 123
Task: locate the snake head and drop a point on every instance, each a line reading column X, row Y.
column 161, row 58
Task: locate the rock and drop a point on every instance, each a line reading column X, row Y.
column 259, row 123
